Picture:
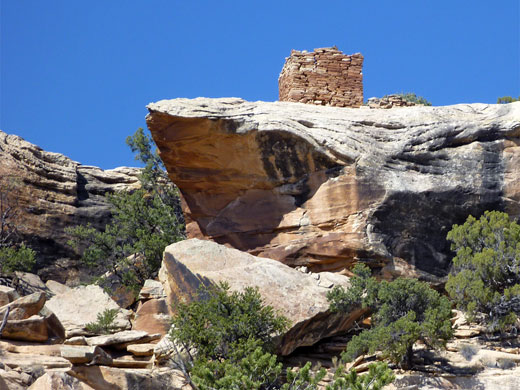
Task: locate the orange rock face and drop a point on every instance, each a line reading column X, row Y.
column 324, row 187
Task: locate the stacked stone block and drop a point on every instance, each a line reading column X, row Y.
column 325, row 77
column 390, row 101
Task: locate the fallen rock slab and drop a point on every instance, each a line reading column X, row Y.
column 141, row 349
column 24, row 307
column 30, row 348
column 298, row 296
column 30, row 329
column 27, row 360
column 80, row 305
column 121, row 340
column 81, row 354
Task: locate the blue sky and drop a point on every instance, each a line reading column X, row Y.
column 76, row 76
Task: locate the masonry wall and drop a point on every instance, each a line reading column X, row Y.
column 325, row 76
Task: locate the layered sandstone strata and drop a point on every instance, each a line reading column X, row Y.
column 325, row 187
column 51, row 192
column 325, row 77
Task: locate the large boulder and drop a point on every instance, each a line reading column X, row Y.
column 52, row 192
column 324, row 186
column 301, row 297
column 76, row 307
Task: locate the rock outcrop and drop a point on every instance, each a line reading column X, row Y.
column 52, row 192
column 324, row 187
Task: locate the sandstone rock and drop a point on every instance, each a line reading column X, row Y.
column 152, row 289
column 54, row 325
column 29, row 283
column 30, row 348
column 111, row 378
column 24, row 307
column 324, row 187
column 28, row 361
column 33, row 328
column 80, row 354
column 54, row 192
column 77, row 340
column 131, row 361
column 299, row 297
column 56, row 287
column 80, row 305
column 152, row 316
column 122, row 339
column 7, row 295
column 141, row 349
column 14, row 380
column 491, row 379
column 58, row 380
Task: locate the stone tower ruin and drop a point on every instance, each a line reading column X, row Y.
column 324, row 77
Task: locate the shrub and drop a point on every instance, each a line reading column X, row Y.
column 485, row 276
column 218, row 318
column 507, row 99
column 378, row 376
column 143, row 223
column 226, row 339
column 413, row 98
column 17, row 259
column 403, row 312
column 104, row 323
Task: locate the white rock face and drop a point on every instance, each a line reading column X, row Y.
column 75, row 307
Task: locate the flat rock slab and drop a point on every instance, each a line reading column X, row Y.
column 81, row 354
column 298, row 296
column 78, row 306
column 15, row 360
column 122, row 339
column 141, row 349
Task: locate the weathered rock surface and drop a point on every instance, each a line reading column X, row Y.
column 53, row 192
column 110, row 378
column 326, row 186
column 121, row 340
column 152, row 316
column 79, row 354
column 76, row 307
column 24, row 307
column 7, row 295
column 298, row 296
column 58, row 380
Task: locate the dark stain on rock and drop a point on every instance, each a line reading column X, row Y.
column 285, row 157
column 414, row 225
